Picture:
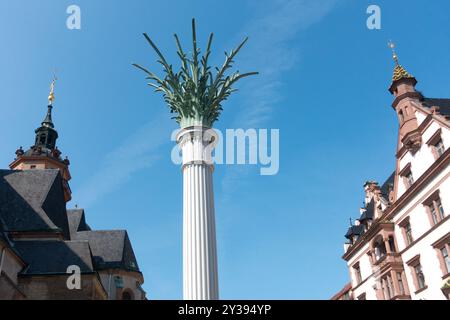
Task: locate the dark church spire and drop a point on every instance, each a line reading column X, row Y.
column 46, row 135
column 44, row 154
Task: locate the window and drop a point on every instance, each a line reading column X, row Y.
column 442, row 247
column 362, row 297
column 401, row 287
column 419, row 276
column 445, row 258
column 409, row 179
column 33, row 166
column 436, row 144
column 379, row 248
column 126, row 295
column 387, row 287
column 408, row 233
column 417, row 273
column 400, row 115
column 392, row 244
column 439, row 148
column 357, row 271
column 407, row 175
column 435, row 208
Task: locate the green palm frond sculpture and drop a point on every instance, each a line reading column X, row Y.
column 193, row 93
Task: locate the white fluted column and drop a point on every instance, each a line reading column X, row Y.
column 200, row 279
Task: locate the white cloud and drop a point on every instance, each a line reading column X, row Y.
column 137, row 152
column 272, row 52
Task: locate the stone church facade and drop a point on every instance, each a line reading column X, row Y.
column 398, row 248
column 43, row 244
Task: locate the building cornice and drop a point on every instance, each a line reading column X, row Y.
column 414, row 94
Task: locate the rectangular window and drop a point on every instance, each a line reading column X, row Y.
column 409, row 179
column 433, row 213
column 445, row 258
column 420, row 277
column 439, row 148
column 435, row 208
column 408, row 233
column 400, row 283
column 390, row 286
column 442, row 247
column 440, row 208
column 357, row 271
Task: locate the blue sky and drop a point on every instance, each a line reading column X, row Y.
column 323, row 82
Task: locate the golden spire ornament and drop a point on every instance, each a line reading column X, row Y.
column 394, row 54
column 51, row 96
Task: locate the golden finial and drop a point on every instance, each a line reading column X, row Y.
column 394, row 54
column 51, row 96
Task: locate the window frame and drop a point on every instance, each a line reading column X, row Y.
column 435, row 139
column 434, row 208
column 442, row 243
column 420, row 283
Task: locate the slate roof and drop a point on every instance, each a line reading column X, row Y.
column 370, row 209
column 443, row 104
column 110, row 249
column 354, row 230
column 33, row 200
column 387, row 186
column 54, row 257
column 77, row 221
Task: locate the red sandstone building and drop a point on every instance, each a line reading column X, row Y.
column 40, row 240
column 399, row 246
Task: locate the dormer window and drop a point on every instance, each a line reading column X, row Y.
column 436, row 144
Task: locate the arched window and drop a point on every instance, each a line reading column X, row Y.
column 400, row 115
column 379, row 248
column 127, row 295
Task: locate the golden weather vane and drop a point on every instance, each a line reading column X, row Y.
column 51, row 96
column 394, row 54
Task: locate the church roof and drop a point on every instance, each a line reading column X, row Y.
column 32, row 200
column 77, row 221
column 54, row 257
column 110, row 249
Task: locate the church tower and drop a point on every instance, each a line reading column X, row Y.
column 44, row 154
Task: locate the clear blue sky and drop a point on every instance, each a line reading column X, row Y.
column 323, row 82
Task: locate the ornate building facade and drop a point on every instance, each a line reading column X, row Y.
column 43, row 244
column 398, row 248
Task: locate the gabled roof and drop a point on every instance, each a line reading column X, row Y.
column 33, row 200
column 110, row 249
column 77, row 221
column 54, row 257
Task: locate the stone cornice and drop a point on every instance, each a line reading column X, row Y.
column 415, row 94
